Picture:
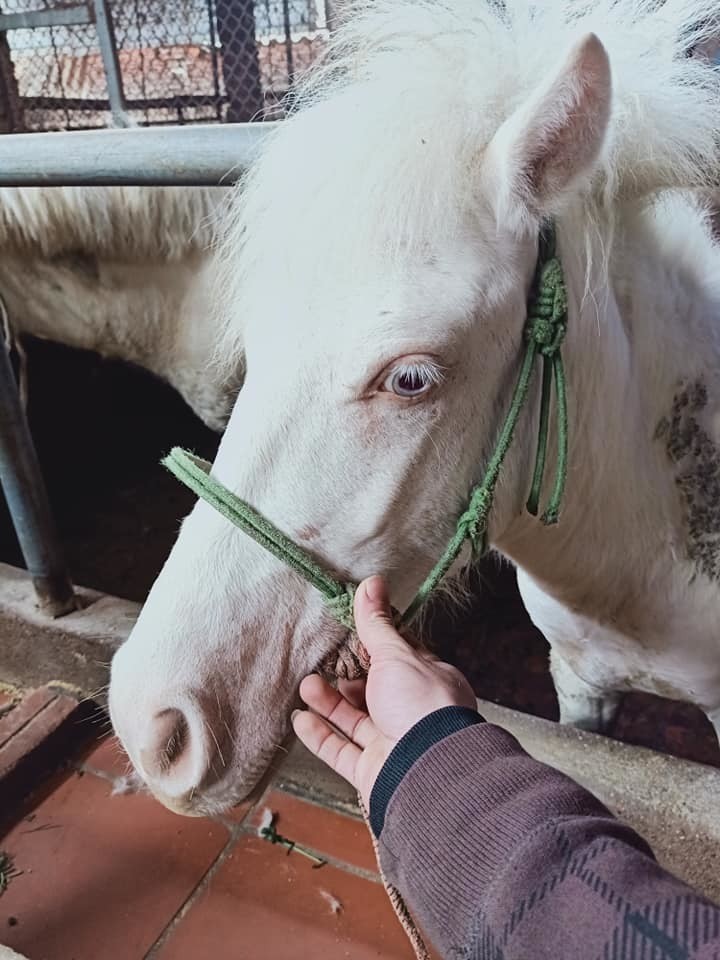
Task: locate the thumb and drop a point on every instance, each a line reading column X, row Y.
column 374, row 617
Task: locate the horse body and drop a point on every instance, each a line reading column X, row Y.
column 125, row 272
column 625, row 589
column 380, row 311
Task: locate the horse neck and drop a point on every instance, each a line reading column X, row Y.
column 128, row 309
column 629, row 344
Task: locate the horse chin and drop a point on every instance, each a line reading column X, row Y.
column 222, row 798
column 207, row 805
column 183, row 806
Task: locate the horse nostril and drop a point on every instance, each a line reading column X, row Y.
column 176, row 741
column 168, row 743
column 175, row 746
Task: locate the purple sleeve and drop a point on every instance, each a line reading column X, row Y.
column 500, row 856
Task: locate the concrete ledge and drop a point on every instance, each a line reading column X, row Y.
column 73, row 651
column 672, row 803
column 301, row 773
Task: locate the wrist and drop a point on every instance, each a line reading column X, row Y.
column 426, row 733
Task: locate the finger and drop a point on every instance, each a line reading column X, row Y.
column 330, row 704
column 354, row 692
column 374, row 619
column 320, row 738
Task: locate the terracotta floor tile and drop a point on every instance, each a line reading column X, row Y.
column 101, row 876
column 31, row 735
column 265, row 905
column 238, row 813
column 37, row 736
column 30, row 706
column 108, row 757
column 336, row 834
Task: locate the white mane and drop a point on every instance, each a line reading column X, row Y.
column 125, row 223
column 379, row 157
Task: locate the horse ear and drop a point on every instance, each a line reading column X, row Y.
column 552, row 139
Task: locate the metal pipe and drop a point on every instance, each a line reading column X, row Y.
column 289, row 61
column 22, row 484
column 73, row 16
column 58, row 17
column 113, row 74
column 197, row 155
column 215, row 58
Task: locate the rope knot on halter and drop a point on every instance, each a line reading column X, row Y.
column 473, row 522
column 547, row 321
column 545, row 331
column 341, row 606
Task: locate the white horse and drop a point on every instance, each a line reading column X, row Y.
column 376, row 278
column 125, row 272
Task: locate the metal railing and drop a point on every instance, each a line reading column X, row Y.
column 95, row 13
column 197, row 156
column 153, row 62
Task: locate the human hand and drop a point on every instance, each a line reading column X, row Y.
column 402, row 686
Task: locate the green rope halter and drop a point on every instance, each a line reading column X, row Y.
column 544, row 332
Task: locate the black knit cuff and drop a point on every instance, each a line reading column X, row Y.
column 427, row 732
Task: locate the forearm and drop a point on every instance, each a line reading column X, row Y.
column 497, row 853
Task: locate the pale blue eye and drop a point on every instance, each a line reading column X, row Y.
column 412, row 377
column 409, row 382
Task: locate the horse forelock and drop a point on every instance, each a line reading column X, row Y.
column 381, row 155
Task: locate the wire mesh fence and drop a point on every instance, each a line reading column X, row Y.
column 178, row 61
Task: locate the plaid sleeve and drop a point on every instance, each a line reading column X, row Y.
column 501, row 857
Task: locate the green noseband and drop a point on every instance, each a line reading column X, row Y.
column 544, row 332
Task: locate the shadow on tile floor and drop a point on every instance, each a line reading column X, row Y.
column 117, row 877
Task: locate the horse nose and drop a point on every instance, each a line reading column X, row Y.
column 174, row 751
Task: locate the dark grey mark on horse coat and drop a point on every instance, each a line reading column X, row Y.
column 697, row 457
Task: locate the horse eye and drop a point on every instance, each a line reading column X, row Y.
column 410, row 381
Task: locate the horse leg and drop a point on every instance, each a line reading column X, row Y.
column 581, row 704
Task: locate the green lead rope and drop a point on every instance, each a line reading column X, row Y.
column 195, row 474
column 544, row 333
column 546, row 328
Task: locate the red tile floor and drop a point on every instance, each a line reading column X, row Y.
column 100, row 873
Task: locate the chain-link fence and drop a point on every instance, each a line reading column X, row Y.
column 176, row 61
